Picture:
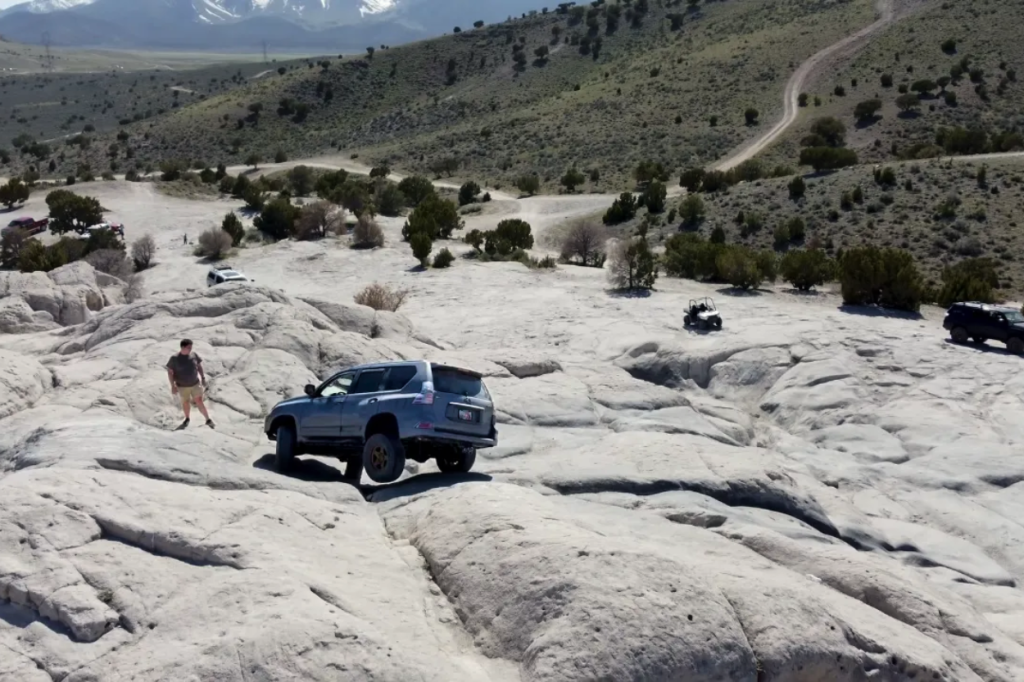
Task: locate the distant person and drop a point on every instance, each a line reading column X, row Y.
column 185, row 371
column 184, row 239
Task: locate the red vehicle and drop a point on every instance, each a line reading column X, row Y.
column 30, row 225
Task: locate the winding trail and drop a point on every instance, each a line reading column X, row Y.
column 799, row 79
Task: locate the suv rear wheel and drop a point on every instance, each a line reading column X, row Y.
column 457, row 461
column 383, row 458
column 959, row 334
column 285, row 456
column 1015, row 345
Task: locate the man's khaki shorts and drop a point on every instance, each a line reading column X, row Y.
column 189, row 394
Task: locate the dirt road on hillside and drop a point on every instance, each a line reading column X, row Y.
column 799, row 80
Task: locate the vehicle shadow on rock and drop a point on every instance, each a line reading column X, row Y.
column 875, row 311
column 418, row 484
column 305, row 469
column 733, row 291
column 629, row 293
column 984, row 347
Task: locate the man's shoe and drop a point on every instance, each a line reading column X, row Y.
column 184, row 424
column 209, row 422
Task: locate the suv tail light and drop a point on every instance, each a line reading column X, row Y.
column 426, row 394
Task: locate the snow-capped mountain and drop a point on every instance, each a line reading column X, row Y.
column 330, row 25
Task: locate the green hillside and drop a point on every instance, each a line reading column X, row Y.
column 600, row 87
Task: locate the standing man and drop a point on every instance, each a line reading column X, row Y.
column 185, row 371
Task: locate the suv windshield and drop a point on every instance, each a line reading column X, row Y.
column 1014, row 316
column 448, row 380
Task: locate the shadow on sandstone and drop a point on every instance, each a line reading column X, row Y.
column 421, row 483
column 304, row 469
column 629, row 293
column 878, row 311
column 739, row 293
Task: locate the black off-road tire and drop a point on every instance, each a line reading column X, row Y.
column 958, row 334
column 686, row 320
column 458, row 461
column 1015, row 345
column 285, row 455
column 718, row 323
column 383, row 458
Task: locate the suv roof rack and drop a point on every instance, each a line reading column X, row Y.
column 223, row 267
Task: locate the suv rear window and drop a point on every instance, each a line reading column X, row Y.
column 447, row 380
column 398, row 377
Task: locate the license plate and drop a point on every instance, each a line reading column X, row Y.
column 466, row 415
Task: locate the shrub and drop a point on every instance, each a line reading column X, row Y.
column 880, row 276
column 301, row 180
column 751, row 115
column 648, row 171
column 621, row 210
column 584, row 244
column 969, row 280
column 213, row 244
column 717, row 235
column 444, row 258
column 381, row 297
column 277, row 219
column 807, row 268
column 692, row 210
column 572, row 179
column 528, row 184
column 367, row 234
column 435, row 217
column 831, row 129
column 280, row 156
column 827, row 158
column 781, row 236
column 421, row 245
column 654, row 196
column 737, row 265
column 688, row 255
column 908, row 101
column 633, row 265
column 867, row 109
column 797, row 229
column 415, row 189
column 797, row 188
column 516, row 232
column 475, row 238
column 233, row 226
column 389, row 199
column 886, row 80
column 692, row 179
column 111, row 261
column 468, row 193
column 767, row 264
column 143, row 251
column 71, row 212
column 317, row 220
column 13, row 192
column 11, row 244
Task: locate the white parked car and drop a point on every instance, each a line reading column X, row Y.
column 224, row 273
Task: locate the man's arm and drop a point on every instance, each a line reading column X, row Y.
column 170, row 377
column 202, row 374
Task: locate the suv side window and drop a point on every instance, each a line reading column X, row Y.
column 368, row 382
column 398, row 377
column 337, row 386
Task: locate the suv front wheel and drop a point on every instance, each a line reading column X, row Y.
column 959, row 334
column 457, row 461
column 383, row 458
column 1015, row 345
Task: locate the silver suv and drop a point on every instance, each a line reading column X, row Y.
column 222, row 274
column 373, row 417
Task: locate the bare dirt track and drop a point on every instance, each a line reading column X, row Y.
column 887, row 10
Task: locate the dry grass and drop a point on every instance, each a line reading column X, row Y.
column 381, row 297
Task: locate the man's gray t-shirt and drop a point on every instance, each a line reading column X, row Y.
column 185, row 369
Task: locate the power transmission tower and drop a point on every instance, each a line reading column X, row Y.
column 48, row 64
column 264, row 52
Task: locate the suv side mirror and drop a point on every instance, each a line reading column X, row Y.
column 310, row 389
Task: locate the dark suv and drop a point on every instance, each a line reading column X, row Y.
column 981, row 322
column 375, row 416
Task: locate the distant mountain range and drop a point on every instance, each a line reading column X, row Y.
column 243, row 25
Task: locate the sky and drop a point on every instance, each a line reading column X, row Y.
column 4, row 4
